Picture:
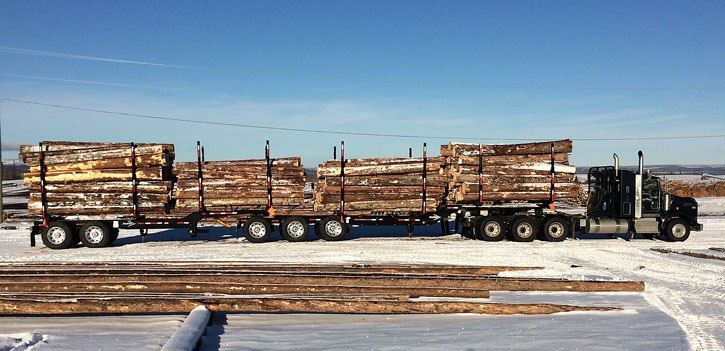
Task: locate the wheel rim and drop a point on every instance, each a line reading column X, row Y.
column 555, row 230
column 679, row 230
column 56, row 235
column 492, row 229
column 524, row 230
column 295, row 229
column 333, row 229
column 94, row 234
column 257, row 230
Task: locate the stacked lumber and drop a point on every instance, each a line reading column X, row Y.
column 513, row 172
column 95, row 179
column 241, row 185
column 381, row 185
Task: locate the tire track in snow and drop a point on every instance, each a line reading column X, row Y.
column 694, row 304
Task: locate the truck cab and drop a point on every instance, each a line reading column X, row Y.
column 622, row 201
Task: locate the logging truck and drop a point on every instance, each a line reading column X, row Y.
column 619, row 202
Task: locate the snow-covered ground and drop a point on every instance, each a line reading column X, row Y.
column 682, row 307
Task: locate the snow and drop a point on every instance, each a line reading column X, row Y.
column 87, row 333
column 681, row 308
column 565, row 331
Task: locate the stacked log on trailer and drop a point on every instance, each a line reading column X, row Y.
column 96, row 179
column 241, row 185
column 513, row 172
column 381, row 185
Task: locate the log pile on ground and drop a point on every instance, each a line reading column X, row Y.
column 95, row 179
column 381, row 185
column 514, row 172
column 241, row 185
column 701, row 188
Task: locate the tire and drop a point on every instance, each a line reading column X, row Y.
column 114, row 235
column 677, row 230
column 555, row 229
column 294, row 229
column 95, row 234
column 58, row 235
column 523, row 229
column 490, row 229
column 331, row 229
column 257, row 230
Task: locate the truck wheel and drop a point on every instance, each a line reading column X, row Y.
column 331, row 229
column 294, row 229
column 555, row 229
column 114, row 235
column 95, row 234
column 677, row 230
column 523, row 229
column 58, row 235
column 490, row 229
column 257, row 230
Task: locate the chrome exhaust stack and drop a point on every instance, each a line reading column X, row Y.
column 640, row 169
column 616, row 164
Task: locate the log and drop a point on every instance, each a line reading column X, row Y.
column 396, row 206
column 524, row 196
column 357, row 162
column 70, row 146
column 154, row 153
column 146, row 173
column 23, row 306
column 294, row 162
column 405, row 168
column 518, row 187
column 560, row 146
column 158, row 187
column 510, row 179
column 506, row 160
column 239, row 201
column 534, row 168
column 109, row 198
column 109, row 163
column 386, row 180
column 381, row 190
column 216, row 193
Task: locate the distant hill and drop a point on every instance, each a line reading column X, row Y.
column 672, row 169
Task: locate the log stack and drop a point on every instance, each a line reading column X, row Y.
column 381, row 185
column 95, row 179
column 513, row 172
column 241, row 185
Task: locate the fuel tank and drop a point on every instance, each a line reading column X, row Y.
column 607, row 226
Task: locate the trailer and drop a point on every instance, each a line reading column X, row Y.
column 620, row 202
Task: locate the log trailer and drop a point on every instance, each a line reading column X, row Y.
column 620, row 202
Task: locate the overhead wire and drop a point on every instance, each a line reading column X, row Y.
column 341, row 132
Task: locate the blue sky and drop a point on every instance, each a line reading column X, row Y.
column 491, row 70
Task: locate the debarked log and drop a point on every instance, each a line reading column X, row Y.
column 145, row 173
column 157, row 187
column 370, row 305
column 405, row 168
column 153, row 154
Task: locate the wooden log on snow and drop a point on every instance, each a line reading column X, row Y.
column 19, row 305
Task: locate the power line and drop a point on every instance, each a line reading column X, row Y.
column 338, row 132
